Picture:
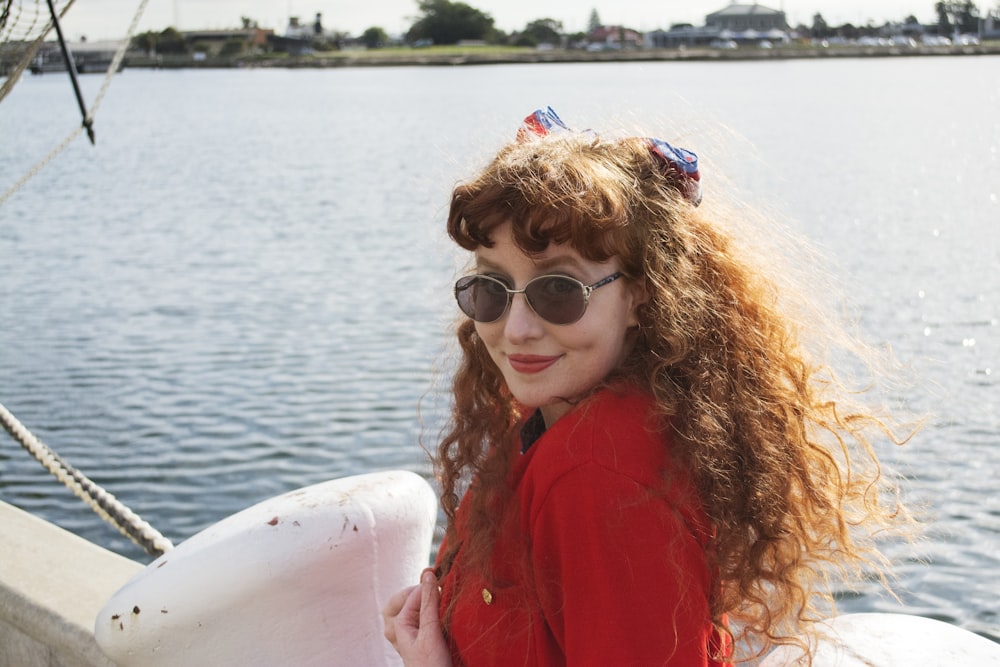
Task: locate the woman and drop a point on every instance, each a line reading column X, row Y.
column 659, row 470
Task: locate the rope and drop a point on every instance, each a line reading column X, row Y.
column 40, row 164
column 116, row 62
column 103, row 503
column 15, row 73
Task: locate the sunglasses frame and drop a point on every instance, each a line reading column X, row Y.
column 465, row 283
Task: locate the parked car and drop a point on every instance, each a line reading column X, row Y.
column 594, row 47
column 935, row 40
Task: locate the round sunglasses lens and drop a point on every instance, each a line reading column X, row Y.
column 481, row 298
column 556, row 299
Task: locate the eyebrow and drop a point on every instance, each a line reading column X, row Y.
column 542, row 265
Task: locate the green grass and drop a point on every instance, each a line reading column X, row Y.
column 426, row 51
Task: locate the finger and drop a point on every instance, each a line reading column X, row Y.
column 389, row 631
column 396, row 602
column 402, row 629
column 392, row 610
column 430, row 600
column 409, row 615
column 389, row 625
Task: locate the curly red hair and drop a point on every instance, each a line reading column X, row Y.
column 780, row 451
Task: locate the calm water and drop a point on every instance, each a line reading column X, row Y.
column 244, row 287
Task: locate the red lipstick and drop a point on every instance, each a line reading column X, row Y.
column 530, row 363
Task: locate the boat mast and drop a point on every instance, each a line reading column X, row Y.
column 88, row 123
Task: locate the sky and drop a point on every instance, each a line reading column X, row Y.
column 109, row 19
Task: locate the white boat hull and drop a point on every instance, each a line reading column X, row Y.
column 299, row 579
column 892, row 640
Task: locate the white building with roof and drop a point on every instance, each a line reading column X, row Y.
column 742, row 23
column 742, row 17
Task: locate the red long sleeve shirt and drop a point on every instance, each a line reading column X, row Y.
column 597, row 562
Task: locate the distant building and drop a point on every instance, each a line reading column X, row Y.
column 89, row 57
column 990, row 26
column 302, row 38
column 613, row 37
column 742, row 18
column 682, row 35
column 298, row 30
column 732, row 25
column 213, row 42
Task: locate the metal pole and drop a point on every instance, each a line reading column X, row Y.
column 71, row 68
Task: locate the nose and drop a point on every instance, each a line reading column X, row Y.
column 521, row 323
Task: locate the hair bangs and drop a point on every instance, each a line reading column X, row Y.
column 551, row 192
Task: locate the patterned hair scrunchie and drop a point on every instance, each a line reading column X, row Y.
column 678, row 163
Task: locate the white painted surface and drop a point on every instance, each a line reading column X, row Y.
column 892, row 640
column 299, row 579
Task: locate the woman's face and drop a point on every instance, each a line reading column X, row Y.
column 545, row 365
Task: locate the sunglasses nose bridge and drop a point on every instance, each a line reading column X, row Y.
column 520, row 320
column 511, row 293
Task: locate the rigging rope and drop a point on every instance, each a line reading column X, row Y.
column 109, row 508
column 112, row 69
column 11, row 27
column 103, row 503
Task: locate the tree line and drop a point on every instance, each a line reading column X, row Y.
column 447, row 22
column 962, row 17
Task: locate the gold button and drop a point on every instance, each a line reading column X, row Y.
column 487, row 597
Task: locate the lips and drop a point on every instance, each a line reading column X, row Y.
column 530, row 363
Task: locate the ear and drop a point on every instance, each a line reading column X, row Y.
column 637, row 296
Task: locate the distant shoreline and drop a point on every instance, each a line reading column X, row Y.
column 479, row 56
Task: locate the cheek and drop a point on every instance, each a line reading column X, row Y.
column 584, row 336
column 488, row 334
column 611, row 325
column 606, row 343
column 602, row 340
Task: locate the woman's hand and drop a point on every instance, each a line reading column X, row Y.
column 413, row 624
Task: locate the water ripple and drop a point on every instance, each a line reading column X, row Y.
column 209, row 307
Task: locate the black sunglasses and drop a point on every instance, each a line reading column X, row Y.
column 556, row 299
